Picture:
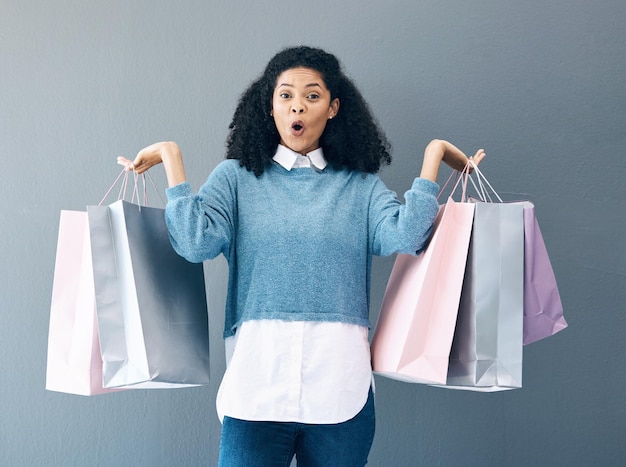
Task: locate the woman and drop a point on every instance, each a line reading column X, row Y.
column 298, row 212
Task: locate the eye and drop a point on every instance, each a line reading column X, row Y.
column 313, row 96
column 284, row 95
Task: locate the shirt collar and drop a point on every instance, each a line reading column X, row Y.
column 289, row 159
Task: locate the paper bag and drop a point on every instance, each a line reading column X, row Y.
column 151, row 303
column 486, row 352
column 543, row 310
column 414, row 332
column 74, row 364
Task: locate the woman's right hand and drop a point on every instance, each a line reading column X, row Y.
column 167, row 153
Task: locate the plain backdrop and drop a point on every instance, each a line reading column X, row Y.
column 539, row 85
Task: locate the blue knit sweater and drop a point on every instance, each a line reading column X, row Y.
column 299, row 243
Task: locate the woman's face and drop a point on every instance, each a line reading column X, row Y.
column 301, row 106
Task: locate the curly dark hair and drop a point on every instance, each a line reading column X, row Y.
column 352, row 139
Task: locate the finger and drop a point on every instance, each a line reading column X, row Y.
column 139, row 166
column 121, row 160
column 128, row 164
column 479, row 156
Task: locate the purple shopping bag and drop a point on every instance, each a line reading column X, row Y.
column 543, row 310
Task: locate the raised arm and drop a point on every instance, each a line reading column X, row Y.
column 439, row 151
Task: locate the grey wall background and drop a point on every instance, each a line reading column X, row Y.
column 539, row 84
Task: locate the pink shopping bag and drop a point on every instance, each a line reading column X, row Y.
column 74, row 364
column 413, row 335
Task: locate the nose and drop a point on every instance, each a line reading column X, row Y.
column 297, row 107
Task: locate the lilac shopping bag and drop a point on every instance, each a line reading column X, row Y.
column 543, row 310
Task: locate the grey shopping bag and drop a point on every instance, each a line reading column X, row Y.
column 150, row 303
column 487, row 347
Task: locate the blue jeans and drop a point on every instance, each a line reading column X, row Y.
column 273, row 444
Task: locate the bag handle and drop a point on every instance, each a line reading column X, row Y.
column 481, row 186
column 461, row 177
column 135, row 191
column 483, row 183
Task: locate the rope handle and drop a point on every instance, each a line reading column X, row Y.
column 461, row 177
column 135, row 190
column 482, row 186
column 483, row 183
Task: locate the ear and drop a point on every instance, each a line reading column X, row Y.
column 334, row 108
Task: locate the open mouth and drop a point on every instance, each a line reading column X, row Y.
column 297, row 128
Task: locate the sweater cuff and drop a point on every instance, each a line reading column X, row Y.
column 426, row 186
column 178, row 191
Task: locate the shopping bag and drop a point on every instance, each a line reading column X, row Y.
column 74, row 364
column 414, row 331
column 543, row 310
column 486, row 352
column 151, row 303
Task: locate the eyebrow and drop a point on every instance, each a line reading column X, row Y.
column 310, row 85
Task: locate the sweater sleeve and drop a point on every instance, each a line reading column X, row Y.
column 201, row 226
column 402, row 228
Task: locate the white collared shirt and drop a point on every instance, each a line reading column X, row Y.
column 291, row 160
column 296, row 371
